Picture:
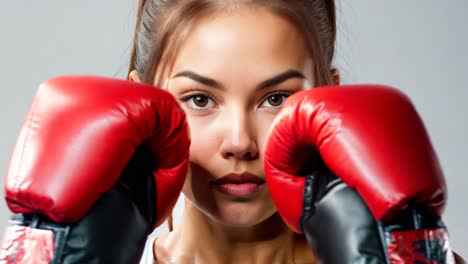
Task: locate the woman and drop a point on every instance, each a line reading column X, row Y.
column 231, row 65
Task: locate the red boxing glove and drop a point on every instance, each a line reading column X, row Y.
column 98, row 164
column 354, row 170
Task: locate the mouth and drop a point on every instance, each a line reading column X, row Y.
column 238, row 185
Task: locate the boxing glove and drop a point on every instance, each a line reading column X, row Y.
column 98, row 164
column 354, row 170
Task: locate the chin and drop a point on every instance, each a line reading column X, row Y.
column 243, row 213
column 229, row 210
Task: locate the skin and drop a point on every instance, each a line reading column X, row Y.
column 229, row 118
column 231, row 90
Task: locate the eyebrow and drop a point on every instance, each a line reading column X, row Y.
column 282, row 77
column 198, row 78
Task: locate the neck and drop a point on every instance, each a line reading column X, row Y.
column 270, row 241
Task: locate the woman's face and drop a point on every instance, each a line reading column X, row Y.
column 231, row 76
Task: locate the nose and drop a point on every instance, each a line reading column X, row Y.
column 239, row 140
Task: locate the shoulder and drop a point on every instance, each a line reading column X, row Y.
column 168, row 248
column 148, row 255
column 459, row 259
column 155, row 252
column 302, row 251
column 161, row 254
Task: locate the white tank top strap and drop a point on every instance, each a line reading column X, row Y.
column 148, row 256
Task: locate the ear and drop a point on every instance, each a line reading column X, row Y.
column 336, row 76
column 134, row 77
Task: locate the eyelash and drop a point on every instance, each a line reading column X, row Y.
column 188, row 97
column 277, row 93
column 192, row 95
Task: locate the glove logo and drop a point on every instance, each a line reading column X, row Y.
column 24, row 245
column 419, row 246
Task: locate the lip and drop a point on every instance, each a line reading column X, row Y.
column 239, row 185
column 245, row 177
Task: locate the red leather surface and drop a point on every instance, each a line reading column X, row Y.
column 78, row 136
column 368, row 135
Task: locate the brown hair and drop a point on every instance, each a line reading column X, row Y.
column 163, row 23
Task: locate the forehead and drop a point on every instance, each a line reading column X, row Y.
column 246, row 41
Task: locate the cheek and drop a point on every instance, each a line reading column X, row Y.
column 264, row 122
column 203, row 139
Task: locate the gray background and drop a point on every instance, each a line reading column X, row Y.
column 418, row 46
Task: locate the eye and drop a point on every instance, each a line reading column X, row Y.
column 275, row 100
column 198, row 101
